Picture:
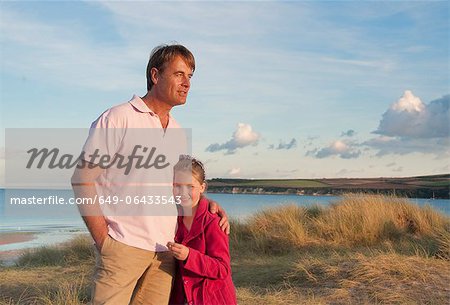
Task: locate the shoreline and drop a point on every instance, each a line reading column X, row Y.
column 9, row 257
column 319, row 192
column 13, row 244
column 8, row 238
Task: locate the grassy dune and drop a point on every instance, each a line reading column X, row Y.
column 361, row 250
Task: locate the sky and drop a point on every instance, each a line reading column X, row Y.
column 298, row 89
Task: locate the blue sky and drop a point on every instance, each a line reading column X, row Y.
column 281, row 90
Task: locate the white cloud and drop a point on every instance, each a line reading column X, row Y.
column 234, row 171
column 410, row 118
column 342, row 149
column 402, row 146
column 242, row 137
column 410, row 126
column 408, row 102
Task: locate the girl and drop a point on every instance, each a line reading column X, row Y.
column 201, row 248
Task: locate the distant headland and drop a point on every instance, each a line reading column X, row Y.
column 434, row 186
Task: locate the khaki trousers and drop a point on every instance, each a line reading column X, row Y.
column 128, row 275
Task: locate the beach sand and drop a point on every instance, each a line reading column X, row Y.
column 10, row 256
column 15, row 237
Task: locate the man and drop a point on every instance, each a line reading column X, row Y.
column 133, row 263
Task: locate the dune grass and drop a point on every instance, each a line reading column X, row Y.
column 75, row 251
column 360, row 250
column 354, row 221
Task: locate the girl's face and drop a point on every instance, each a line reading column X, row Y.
column 188, row 188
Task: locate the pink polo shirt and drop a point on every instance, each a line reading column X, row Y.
column 136, row 220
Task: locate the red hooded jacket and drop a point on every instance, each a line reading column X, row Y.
column 204, row 278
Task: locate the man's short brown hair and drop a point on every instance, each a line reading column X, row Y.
column 164, row 54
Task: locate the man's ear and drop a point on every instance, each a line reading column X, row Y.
column 154, row 74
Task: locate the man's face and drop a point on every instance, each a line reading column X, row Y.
column 173, row 83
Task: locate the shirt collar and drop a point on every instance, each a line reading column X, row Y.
column 141, row 106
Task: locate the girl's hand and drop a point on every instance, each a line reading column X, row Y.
column 179, row 251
